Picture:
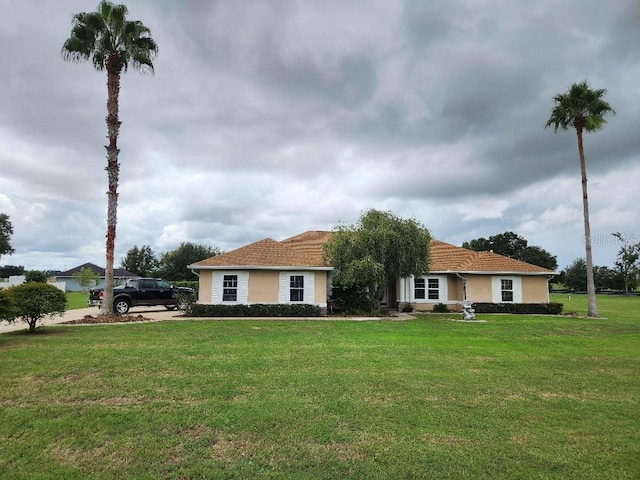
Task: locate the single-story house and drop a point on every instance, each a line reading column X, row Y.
column 120, row 275
column 293, row 271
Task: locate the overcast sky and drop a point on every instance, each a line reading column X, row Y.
column 270, row 118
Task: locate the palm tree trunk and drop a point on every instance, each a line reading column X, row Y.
column 592, row 309
column 114, row 67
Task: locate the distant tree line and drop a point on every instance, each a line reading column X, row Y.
column 171, row 265
column 513, row 246
column 624, row 276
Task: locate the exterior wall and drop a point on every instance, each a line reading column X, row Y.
column 204, row 286
column 455, row 288
column 320, row 293
column 451, row 292
column 485, row 288
column 535, row 289
column 479, row 288
column 263, row 286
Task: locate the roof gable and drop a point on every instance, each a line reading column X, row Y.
column 117, row 272
column 269, row 253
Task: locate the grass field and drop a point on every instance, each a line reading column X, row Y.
column 515, row 397
column 77, row 300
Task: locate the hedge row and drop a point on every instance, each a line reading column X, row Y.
column 195, row 284
column 522, row 308
column 255, row 310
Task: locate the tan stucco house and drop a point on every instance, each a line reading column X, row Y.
column 293, row 271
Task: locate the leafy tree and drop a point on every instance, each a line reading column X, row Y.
column 34, row 301
column 86, row 278
column 627, row 264
column 514, row 246
column 37, row 276
column 6, row 305
column 173, row 264
column 113, row 43
column 583, row 109
column 11, row 270
column 604, row 278
column 141, row 261
column 574, row 276
column 6, row 230
column 375, row 251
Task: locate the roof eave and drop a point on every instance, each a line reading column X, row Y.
column 492, row 272
column 260, row 267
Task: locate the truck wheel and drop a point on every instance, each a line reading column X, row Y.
column 121, row 306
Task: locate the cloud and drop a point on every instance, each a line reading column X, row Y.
column 268, row 119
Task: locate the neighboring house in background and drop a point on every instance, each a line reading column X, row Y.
column 293, row 271
column 120, row 275
column 20, row 279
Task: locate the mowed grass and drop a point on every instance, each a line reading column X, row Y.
column 515, row 397
column 76, row 300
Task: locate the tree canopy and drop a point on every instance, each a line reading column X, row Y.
column 173, row 264
column 377, row 249
column 6, row 230
column 86, row 278
column 141, row 261
column 33, row 301
column 627, row 264
column 514, row 246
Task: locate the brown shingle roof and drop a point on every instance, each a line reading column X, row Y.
column 446, row 257
column 305, row 250
column 294, row 252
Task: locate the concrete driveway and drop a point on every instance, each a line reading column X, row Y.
column 155, row 313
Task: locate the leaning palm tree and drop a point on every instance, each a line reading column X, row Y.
column 583, row 109
column 112, row 43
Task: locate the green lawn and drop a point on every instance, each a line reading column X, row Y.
column 77, row 300
column 515, row 397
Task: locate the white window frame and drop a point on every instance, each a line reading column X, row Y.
column 441, row 290
column 496, row 291
column 234, row 278
column 308, row 294
column 217, row 287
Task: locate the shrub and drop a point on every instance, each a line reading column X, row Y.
column 520, row 308
column 34, row 301
column 35, row 276
column 406, row 308
column 194, row 284
column 255, row 310
column 440, row 308
column 5, row 305
column 351, row 300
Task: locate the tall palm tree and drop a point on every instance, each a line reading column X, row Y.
column 583, row 109
column 112, row 43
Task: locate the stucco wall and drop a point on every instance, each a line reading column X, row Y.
column 204, row 286
column 535, row 290
column 479, row 288
column 320, row 292
column 263, row 286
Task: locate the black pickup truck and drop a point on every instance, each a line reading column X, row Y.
column 142, row 292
